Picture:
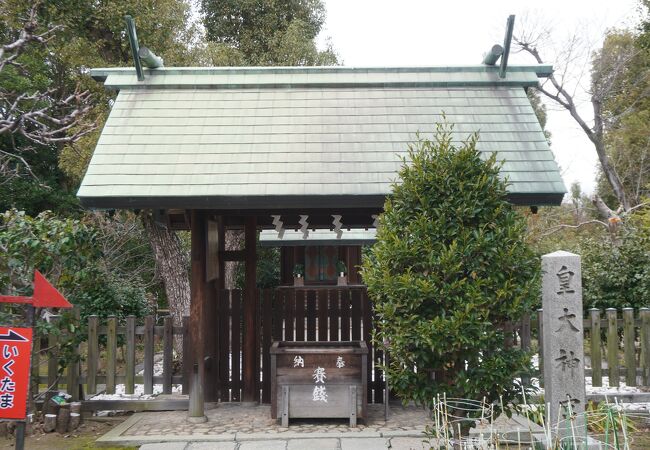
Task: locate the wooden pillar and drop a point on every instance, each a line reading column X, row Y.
column 250, row 333
column 221, row 230
column 211, row 349
column 214, row 233
column 220, row 284
column 198, row 301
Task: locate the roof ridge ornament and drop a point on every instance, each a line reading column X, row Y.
column 497, row 51
column 141, row 55
column 507, row 40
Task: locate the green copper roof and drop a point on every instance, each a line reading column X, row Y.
column 295, row 77
column 303, row 137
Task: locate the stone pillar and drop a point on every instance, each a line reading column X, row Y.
column 564, row 373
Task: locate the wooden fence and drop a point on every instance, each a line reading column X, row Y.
column 86, row 372
column 290, row 314
column 309, row 314
column 618, row 343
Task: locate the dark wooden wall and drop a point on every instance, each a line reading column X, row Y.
column 290, row 256
column 288, row 314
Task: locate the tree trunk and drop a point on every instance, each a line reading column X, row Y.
column 234, row 241
column 172, row 265
column 598, row 140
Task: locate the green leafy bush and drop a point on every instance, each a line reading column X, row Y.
column 615, row 265
column 616, row 272
column 449, row 269
column 70, row 255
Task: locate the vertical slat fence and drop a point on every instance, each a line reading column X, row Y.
column 130, row 355
column 167, row 354
column 93, row 356
column 618, row 343
column 111, row 357
column 148, row 354
column 235, row 321
column 612, row 347
column 645, row 345
column 596, row 357
column 335, row 314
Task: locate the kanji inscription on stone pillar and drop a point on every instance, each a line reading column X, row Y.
column 564, row 369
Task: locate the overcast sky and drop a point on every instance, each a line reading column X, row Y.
column 435, row 33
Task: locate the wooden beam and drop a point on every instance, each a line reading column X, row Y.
column 320, row 218
column 250, row 333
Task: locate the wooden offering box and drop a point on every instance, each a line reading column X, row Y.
column 319, row 380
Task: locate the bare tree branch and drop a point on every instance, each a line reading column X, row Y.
column 43, row 118
column 557, row 228
column 557, row 92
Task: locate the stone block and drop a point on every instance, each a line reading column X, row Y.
column 165, row 446
column 263, row 445
column 364, row 443
column 313, row 444
column 409, row 443
column 563, row 349
column 231, row 445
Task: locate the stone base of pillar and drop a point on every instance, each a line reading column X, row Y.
column 199, row 419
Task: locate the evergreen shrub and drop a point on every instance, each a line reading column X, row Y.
column 449, row 270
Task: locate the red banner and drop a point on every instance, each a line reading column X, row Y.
column 15, row 358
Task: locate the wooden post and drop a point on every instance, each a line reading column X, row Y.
column 250, row 312
column 72, row 383
column 167, row 354
column 130, row 355
column 75, row 420
column 210, row 349
column 221, row 313
column 63, row 419
column 49, row 423
column 196, row 410
column 36, row 365
column 596, row 358
column 644, row 313
column 187, row 369
column 197, row 310
column 612, row 347
column 540, row 345
column 111, row 353
column 93, row 350
column 628, row 346
column 148, row 354
column 53, row 357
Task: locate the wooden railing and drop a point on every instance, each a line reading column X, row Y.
column 619, row 343
column 87, row 370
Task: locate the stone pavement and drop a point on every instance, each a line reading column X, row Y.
column 346, row 443
column 231, row 426
column 235, row 427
